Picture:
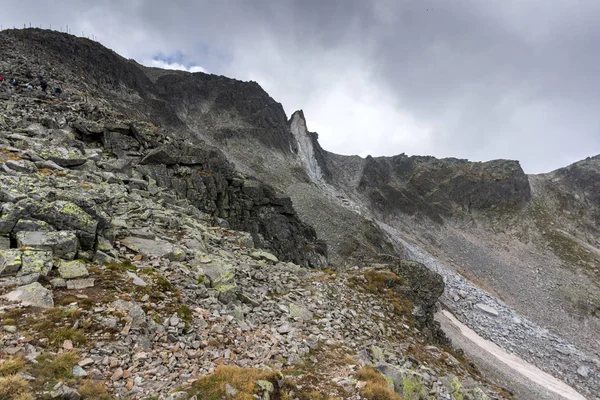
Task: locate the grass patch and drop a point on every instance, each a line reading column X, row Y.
column 94, row 390
column 376, row 388
column 14, row 387
column 379, row 281
column 212, row 387
column 121, row 267
column 58, row 336
column 12, row 366
column 52, row 368
column 163, row 283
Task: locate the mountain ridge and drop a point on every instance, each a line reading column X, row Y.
column 228, row 149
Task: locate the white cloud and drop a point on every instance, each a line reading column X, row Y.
column 176, row 66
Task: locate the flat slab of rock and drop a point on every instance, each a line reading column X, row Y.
column 154, row 248
column 10, row 262
column 264, row 255
column 33, row 225
column 137, row 281
column 72, row 269
column 32, row 295
column 78, row 284
column 24, row 166
column 63, row 244
column 487, row 309
column 62, row 156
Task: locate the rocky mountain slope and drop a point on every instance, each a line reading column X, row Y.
column 149, row 184
column 137, row 262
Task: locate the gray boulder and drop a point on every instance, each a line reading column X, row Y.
column 36, row 262
column 72, row 269
column 65, row 215
column 33, row 294
column 32, row 224
column 63, row 244
column 63, row 156
column 10, row 262
column 23, row 166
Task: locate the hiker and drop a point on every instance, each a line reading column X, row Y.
column 1, row 80
column 15, row 82
column 57, row 91
column 43, row 85
column 85, row 95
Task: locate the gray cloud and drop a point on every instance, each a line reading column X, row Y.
column 464, row 78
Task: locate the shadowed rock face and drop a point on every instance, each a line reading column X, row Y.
column 227, row 107
column 164, row 156
column 441, row 188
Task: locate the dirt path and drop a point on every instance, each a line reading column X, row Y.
column 524, row 379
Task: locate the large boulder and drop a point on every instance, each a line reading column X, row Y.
column 65, row 215
column 32, row 224
column 12, row 213
column 10, row 262
column 36, row 262
column 33, row 294
column 63, row 156
column 63, row 244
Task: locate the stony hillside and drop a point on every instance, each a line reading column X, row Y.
column 136, row 261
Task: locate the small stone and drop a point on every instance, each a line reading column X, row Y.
column 583, row 371
column 78, row 284
column 95, row 374
column 72, row 269
column 487, row 309
column 85, row 362
column 137, row 281
column 58, row 283
column 177, row 396
column 10, row 328
column 300, row 312
column 63, row 392
column 67, row 345
column 118, row 374
column 79, row 372
column 285, row 328
column 230, row 391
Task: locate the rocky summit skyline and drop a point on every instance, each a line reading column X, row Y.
column 475, row 80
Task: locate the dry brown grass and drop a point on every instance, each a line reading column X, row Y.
column 14, row 387
column 55, row 367
column 212, row 387
column 94, row 391
column 12, row 366
column 376, row 388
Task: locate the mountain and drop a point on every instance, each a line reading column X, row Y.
column 216, row 229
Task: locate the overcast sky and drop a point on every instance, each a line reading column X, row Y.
column 476, row 79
